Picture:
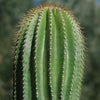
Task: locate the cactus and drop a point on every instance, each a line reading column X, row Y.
column 49, row 56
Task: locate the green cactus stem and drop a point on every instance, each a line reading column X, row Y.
column 49, row 56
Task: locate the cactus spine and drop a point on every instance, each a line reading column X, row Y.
column 49, row 53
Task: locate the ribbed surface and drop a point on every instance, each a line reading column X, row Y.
column 48, row 62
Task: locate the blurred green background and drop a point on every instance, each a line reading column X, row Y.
column 88, row 14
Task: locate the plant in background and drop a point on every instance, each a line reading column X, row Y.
column 49, row 54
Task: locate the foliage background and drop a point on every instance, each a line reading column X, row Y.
column 88, row 14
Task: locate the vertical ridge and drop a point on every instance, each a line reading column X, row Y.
column 19, row 72
column 65, row 53
column 52, row 63
column 16, row 55
column 48, row 51
column 56, row 53
column 60, row 51
column 78, row 64
column 32, row 67
column 69, row 57
column 27, row 92
column 39, row 56
column 46, row 60
column 50, row 30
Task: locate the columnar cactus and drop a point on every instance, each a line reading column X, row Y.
column 49, row 53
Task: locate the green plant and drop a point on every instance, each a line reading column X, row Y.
column 49, row 53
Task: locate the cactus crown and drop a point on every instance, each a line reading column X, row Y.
column 49, row 53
